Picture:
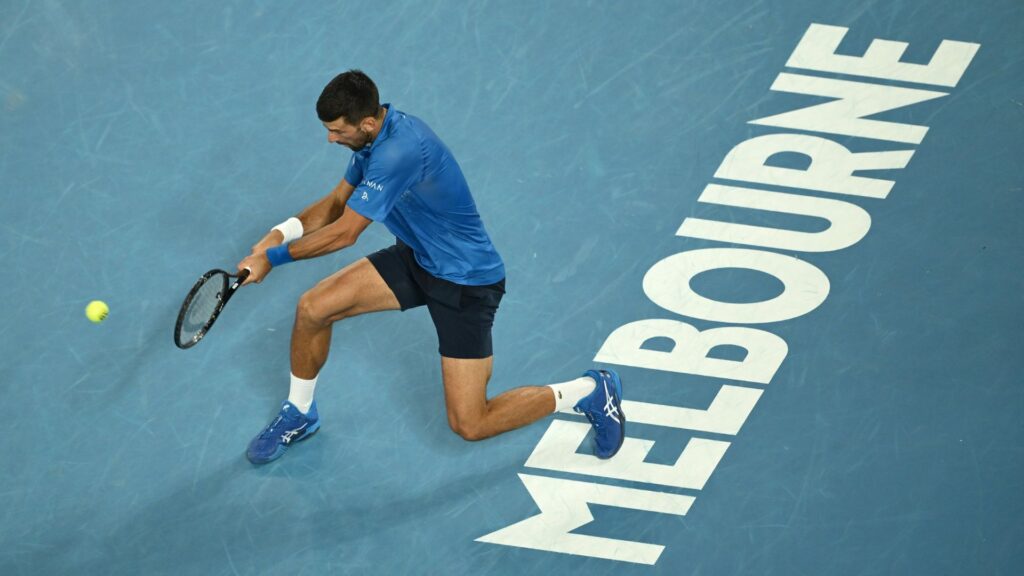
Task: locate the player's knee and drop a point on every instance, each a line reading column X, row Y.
column 309, row 311
column 468, row 429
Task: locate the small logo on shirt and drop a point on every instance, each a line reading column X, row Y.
column 365, row 197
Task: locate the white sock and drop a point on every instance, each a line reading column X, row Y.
column 567, row 394
column 301, row 393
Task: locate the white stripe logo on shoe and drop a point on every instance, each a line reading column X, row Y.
column 610, row 409
column 290, row 434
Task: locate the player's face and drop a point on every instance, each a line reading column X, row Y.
column 353, row 136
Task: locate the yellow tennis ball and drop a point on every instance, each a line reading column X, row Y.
column 96, row 311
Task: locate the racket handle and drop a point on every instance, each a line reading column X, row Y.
column 242, row 276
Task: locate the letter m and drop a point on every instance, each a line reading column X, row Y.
column 564, row 507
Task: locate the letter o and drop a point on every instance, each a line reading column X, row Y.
column 667, row 284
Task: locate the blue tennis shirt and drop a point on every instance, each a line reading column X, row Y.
column 409, row 181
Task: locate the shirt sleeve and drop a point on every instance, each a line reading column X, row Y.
column 354, row 172
column 389, row 172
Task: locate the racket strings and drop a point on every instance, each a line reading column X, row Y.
column 203, row 306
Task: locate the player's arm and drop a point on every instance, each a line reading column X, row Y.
column 339, row 234
column 326, row 210
column 314, row 217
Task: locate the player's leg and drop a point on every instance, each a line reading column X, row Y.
column 474, row 417
column 597, row 394
column 354, row 290
column 464, row 341
column 357, row 289
column 464, row 338
column 471, row 415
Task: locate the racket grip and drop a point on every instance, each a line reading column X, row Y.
column 242, row 276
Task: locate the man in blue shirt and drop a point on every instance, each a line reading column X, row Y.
column 403, row 176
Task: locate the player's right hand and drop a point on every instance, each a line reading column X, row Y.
column 258, row 265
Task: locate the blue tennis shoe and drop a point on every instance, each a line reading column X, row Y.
column 603, row 407
column 290, row 426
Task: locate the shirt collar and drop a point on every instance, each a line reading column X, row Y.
column 385, row 129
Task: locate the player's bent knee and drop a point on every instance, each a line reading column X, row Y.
column 310, row 311
column 471, row 431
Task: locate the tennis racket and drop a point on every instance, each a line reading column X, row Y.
column 203, row 304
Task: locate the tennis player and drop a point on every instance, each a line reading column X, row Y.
column 403, row 176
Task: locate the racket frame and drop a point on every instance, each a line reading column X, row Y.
column 228, row 292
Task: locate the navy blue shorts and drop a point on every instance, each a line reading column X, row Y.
column 462, row 315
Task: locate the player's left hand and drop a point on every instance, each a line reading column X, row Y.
column 258, row 265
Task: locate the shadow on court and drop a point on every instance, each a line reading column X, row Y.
column 197, row 529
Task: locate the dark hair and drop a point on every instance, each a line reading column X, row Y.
column 351, row 95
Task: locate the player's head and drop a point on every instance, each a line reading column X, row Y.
column 349, row 107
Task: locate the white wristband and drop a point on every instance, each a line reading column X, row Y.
column 291, row 228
